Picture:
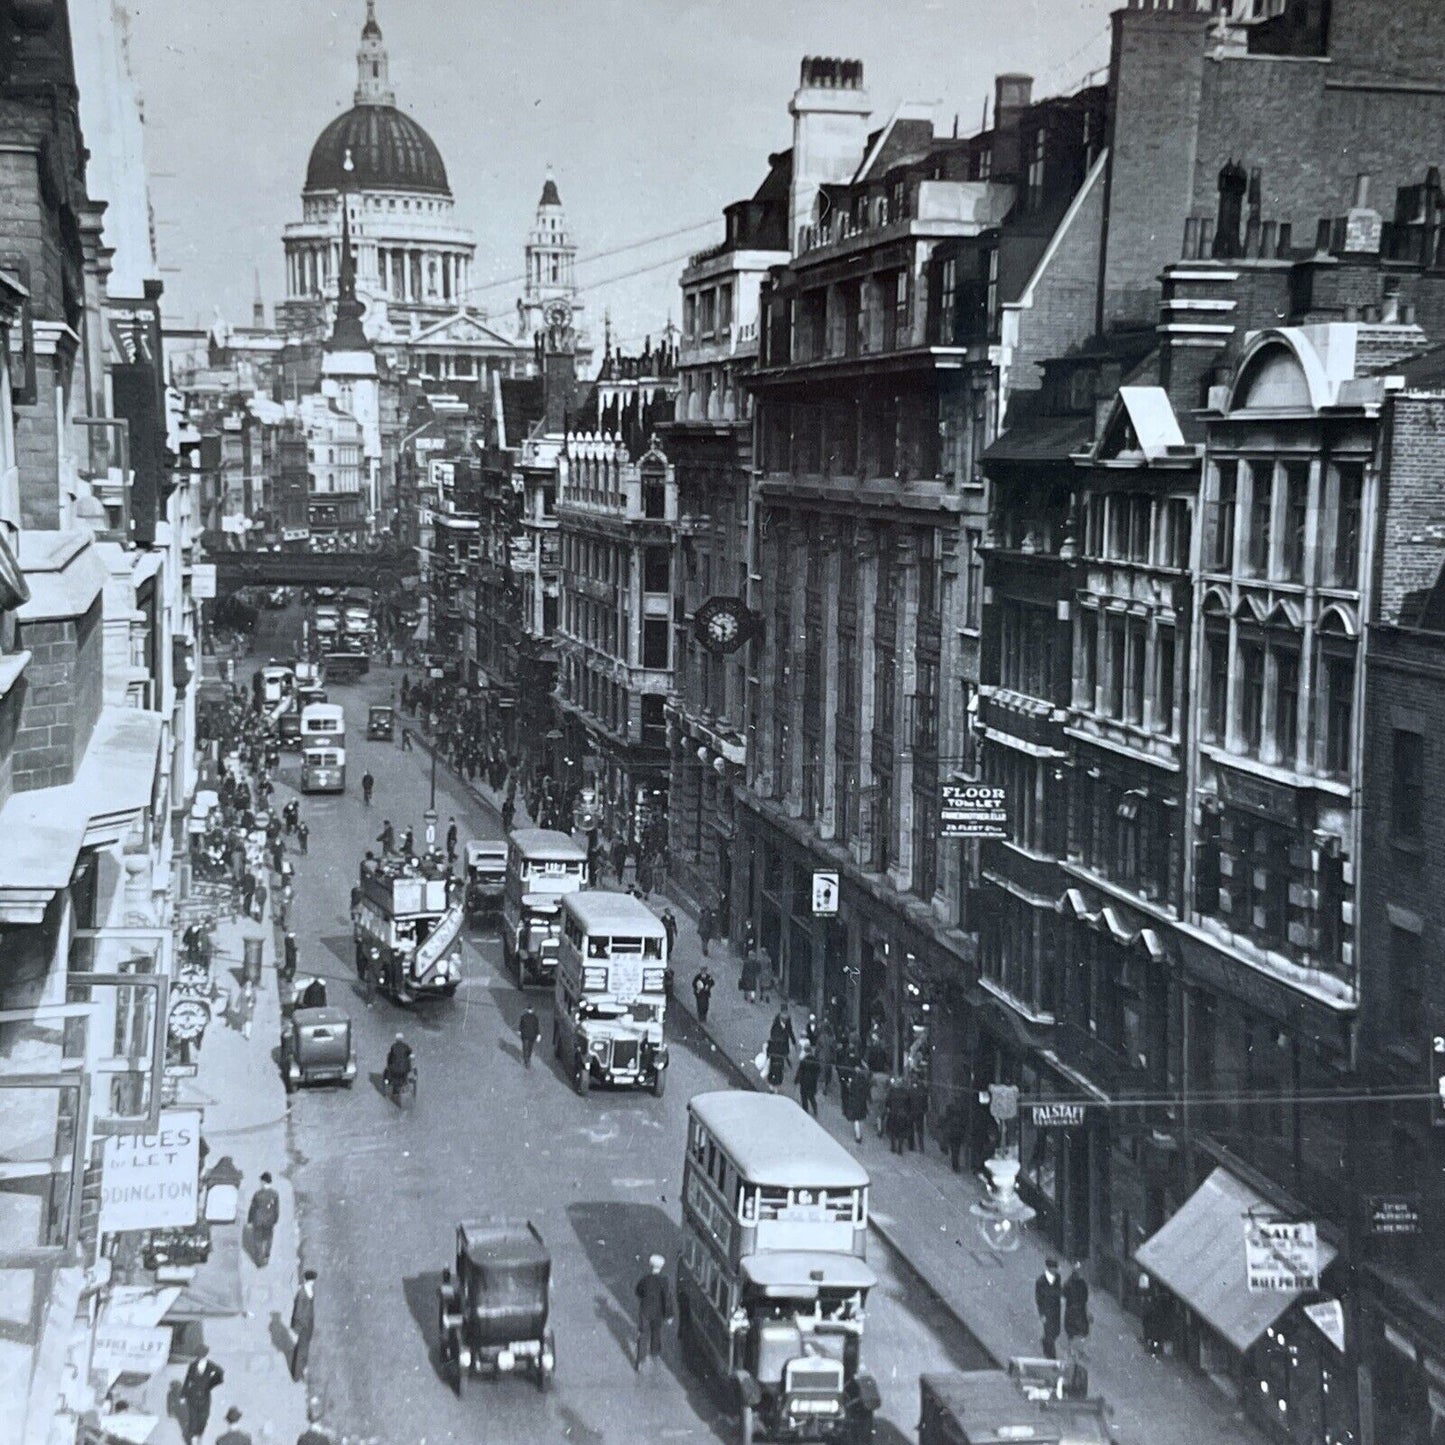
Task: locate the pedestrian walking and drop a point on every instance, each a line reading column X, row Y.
column 245, row 1009
column 261, row 1220
column 387, row 836
column 806, row 1078
column 857, row 1086
column 619, row 857
column 827, row 1054
column 248, row 891
column 781, row 1032
column 234, row 1436
column 1049, row 1302
column 278, row 854
column 953, row 1130
column 776, row 1051
column 917, row 1108
column 197, row 1386
column 452, row 836
column 303, row 1323
column 894, row 1114
column 669, row 927
column 289, row 952
column 765, row 976
column 509, row 815
column 702, row 986
column 529, row 1029
column 260, row 899
column 406, row 740
column 706, row 926
column 303, row 837
column 367, row 784
column 748, row 977
column 654, row 1309
column 1076, row 1310
column 750, row 936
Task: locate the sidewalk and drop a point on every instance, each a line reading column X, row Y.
column 239, row 1086
column 920, row 1207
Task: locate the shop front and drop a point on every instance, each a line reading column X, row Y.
column 1226, row 1261
column 876, row 963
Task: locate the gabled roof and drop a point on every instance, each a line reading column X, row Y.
column 1042, row 439
column 1141, row 420
column 908, row 136
column 464, row 329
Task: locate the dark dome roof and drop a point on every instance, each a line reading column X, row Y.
column 389, row 152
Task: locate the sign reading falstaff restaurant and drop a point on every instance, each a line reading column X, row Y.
column 1281, row 1255
column 152, row 1181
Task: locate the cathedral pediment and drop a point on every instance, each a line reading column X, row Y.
column 462, row 330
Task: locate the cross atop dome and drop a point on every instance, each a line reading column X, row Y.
column 373, row 83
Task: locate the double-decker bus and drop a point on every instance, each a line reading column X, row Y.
column 610, row 997
column 323, row 722
column 772, row 1277
column 323, row 767
column 542, row 866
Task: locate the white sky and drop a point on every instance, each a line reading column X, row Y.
column 654, row 113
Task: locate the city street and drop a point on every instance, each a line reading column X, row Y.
column 380, row 1189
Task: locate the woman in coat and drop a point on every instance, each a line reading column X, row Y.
column 857, row 1095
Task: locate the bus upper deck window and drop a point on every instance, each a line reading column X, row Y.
column 597, row 947
column 652, row 948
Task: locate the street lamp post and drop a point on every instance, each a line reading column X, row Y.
column 431, row 812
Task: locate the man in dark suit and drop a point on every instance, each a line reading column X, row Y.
column 529, row 1027
column 200, row 1381
column 1049, row 1302
column 303, row 1323
column 261, row 1218
column 654, row 1309
column 235, row 1435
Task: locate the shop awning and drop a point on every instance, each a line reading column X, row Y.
column 215, row 1290
column 1199, row 1255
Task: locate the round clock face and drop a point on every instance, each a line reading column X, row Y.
column 557, row 313
column 188, row 1019
column 722, row 626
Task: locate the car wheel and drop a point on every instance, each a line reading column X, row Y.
column 659, row 1083
column 583, row 1076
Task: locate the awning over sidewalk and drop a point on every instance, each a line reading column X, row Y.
column 215, row 1291
column 1199, row 1255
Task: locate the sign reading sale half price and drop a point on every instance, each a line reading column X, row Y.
column 152, row 1181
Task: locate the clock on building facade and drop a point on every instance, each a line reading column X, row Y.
column 723, row 624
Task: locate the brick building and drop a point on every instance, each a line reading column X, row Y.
column 1178, row 642
column 96, row 660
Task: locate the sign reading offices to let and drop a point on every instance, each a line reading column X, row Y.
column 1281, row 1255
column 973, row 810
column 151, row 1181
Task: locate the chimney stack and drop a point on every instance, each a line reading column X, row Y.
column 1363, row 226
column 1012, row 95
column 830, row 111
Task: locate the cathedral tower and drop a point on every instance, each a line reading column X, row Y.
column 551, row 257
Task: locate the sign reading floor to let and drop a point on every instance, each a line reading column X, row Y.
column 152, row 1181
column 973, row 810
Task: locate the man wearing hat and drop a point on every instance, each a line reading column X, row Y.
column 201, row 1379
column 303, row 1323
column 654, row 1309
column 262, row 1218
column 233, row 1436
column 313, row 1434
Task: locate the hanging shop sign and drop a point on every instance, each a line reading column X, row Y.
column 1392, row 1215
column 1329, row 1316
column 973, row 810
column 150, row 1181
column 1281, row 1255
column 1056, row 1116
column 203, row 581
column 825, row 894
column 130, row 1349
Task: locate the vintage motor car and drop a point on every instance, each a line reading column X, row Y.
column 317, row 1048
column 493, row 1310
column 486, row 878
column 380, row 722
